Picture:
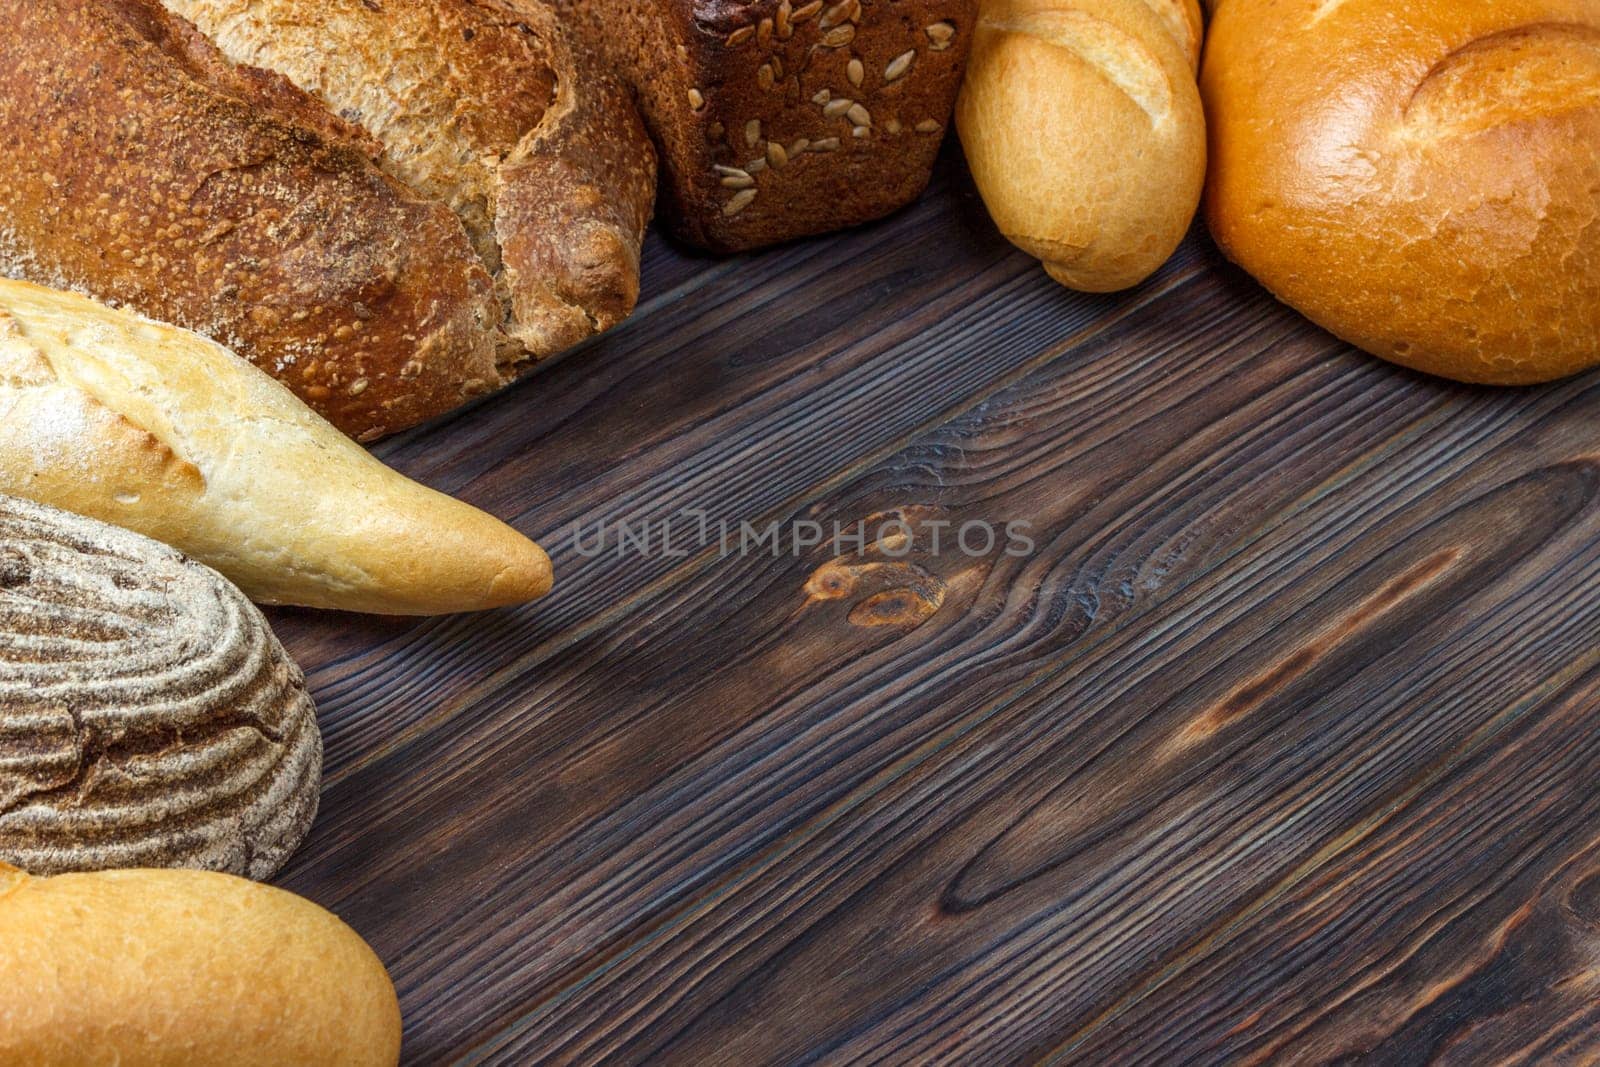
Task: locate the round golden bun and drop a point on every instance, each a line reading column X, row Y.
column 1421, row 179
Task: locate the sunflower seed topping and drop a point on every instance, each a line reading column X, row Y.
column 899, row 65
column 839, row 36
column 836, row 14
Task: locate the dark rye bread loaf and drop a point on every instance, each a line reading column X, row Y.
column 148, row 716
column 778, row 119
column 310, row 227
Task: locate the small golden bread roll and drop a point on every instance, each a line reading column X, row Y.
column 159, row 430
column 1083, row 127
column 1421, row 179
column 147, row 968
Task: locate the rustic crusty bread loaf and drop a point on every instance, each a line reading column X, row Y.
column 1421, row 179
column 782, row 118
column 148, row 716
column 147, row 169
column 159, row 430
column 1082, row 124
column 153, row 968
column 490, row 109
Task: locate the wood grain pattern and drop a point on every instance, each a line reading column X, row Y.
column 1277, row 747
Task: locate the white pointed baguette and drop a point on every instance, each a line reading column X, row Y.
column 159, row 430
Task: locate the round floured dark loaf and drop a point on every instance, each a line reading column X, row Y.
column 148, row 715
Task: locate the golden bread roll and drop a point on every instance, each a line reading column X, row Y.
column 159, row 430
column 180, row 968
column 1083, row 127
column 1421, row 179
column 148, row 715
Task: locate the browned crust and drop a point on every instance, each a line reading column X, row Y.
column 574, row 203
column 489, row 108
column 766, row 91
column 158, row 176
column 142, row 967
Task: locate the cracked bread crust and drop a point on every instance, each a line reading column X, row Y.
column 779, row 119
column 488, row 108
column 148, row 171
column 450, row 193
column 570, row 262
column 148, row 715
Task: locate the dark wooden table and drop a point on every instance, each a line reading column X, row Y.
column 1281, row 744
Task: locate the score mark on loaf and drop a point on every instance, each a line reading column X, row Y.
column 1114, row 81
column 148, row 716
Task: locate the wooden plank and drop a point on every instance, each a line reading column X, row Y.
column 705, row 426
column 1201, row 772
column 1459, row 929
column 565, row 763
column 1271, row 683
